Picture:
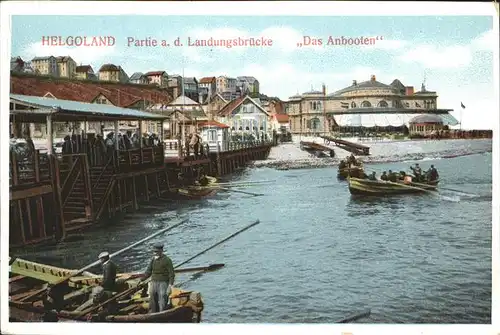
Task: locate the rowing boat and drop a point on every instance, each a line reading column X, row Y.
column 354, row 171
column 198, row 191
column 358, row 186
column 27, row 277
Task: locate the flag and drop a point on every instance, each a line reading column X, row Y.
column 461, row 104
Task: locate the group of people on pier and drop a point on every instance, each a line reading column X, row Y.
column 418, row 176
column 194, row 142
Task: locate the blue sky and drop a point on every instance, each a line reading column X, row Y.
column 454, row 53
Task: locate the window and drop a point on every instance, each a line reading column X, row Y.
column 383, row 104
column 314, row 123
column 212, row 135
column 315, row 105
column 366, row 104
column 353, row 104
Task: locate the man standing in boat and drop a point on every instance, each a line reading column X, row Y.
column 417, row 171
column 161, row 271
column 432, row 174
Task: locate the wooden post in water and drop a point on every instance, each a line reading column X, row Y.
column 219, row 165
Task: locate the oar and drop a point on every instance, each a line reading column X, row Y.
column 247, row 182
column 355, row 317
column 211, row 267
column 449, row 189
column 65, row 279
column 145, row 282
column 130, row 276
column 218, row 243
column 238, row 191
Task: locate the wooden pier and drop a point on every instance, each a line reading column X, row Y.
column 316, row 148
column 52, row 194
column 355, row 148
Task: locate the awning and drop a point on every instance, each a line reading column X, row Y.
column 68, row 110
column 449, row 120
column 372, row 120
column 383, row 120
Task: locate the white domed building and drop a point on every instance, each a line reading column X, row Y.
column 367, row 107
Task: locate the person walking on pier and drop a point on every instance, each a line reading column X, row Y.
column 161, row 271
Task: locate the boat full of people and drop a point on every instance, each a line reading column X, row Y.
column 391, row 183
column 350, row 167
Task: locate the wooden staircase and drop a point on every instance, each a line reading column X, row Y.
column 85, row 191
column 102, row 180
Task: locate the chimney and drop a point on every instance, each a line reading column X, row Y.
column 324, row 90
column 373, row 78
column 409, row 90
column 354, row 83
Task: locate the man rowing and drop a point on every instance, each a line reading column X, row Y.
column 203, row 180
column 392, row 176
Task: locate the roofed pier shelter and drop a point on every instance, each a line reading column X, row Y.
column 53, row 193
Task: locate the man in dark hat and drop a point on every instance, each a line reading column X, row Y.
column 161, row 271
column 109, row 270
column 104, row 291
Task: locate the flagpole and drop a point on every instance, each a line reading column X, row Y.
column 182, row 108
column 461, row 111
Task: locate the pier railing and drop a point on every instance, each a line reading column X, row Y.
column 174, row 148
column 137, row 159
column 28, row 168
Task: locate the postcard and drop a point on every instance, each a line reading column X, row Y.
column 288, row 166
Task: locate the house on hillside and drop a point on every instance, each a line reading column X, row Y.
column 85, row 72
column 210, row 83
column 66, row 67
column 213, row 105
column 203, row 95
column 111, row 72
column 247, row 119
column 46, row 66
column 138, row 78
column 174, row 84
column 248, row 84
column 159, row 78
column 16, row 64
column 191, row 88
column 227, row 88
